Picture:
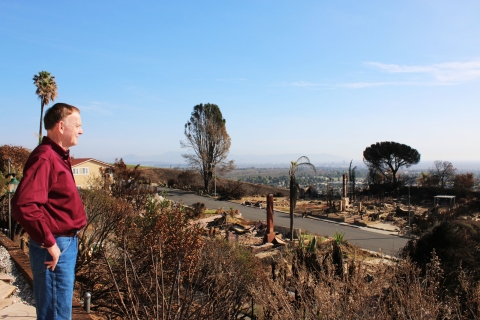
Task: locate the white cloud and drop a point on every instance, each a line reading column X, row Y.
column 443, row 73
column 359, row 85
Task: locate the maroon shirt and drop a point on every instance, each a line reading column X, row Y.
column 47, row 202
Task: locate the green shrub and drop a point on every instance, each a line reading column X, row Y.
column 338, row 237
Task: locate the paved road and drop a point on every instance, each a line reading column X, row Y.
column 367, row 238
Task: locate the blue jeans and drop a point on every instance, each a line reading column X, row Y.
column 53, row 290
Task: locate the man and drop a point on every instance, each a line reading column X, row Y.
column 47, row 205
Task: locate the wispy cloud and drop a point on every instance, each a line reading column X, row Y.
column 359, row 85
column 98, row 107
column 443, row 73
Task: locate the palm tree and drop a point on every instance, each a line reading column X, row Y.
column 46, row 91
column 294, row 165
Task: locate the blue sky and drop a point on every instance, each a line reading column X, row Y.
column 306, row 77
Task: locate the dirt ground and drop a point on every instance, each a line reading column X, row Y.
column 378, row 215
column 283, row 204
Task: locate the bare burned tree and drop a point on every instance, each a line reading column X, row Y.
column 294, row 166
column 352, row 181
column 129, row 184
column 443, row 172
column 207, row 136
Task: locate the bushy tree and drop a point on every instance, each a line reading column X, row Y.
column 206, row 134
column 187, row 178
column 386, row 158
column 17, row 154
column 231, row 190
column 464, row 181
column 375, row 177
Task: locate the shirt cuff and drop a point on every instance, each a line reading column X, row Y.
column 49, row 241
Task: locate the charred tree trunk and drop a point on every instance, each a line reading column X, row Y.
column 337, row 257
column 293, row 202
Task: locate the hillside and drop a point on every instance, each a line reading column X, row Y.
column 192, row 180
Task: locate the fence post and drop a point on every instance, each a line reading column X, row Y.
column 87, row 297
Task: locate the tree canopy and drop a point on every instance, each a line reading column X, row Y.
column 18, row 156
column 387, row 157
column 206, row 134
column 464, row 181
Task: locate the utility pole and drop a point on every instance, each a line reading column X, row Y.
column 9, row 203
column 409, row 226
column 12, row 187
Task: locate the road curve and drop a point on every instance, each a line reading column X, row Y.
column 366, row 238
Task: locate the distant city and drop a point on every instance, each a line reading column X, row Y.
column 175, row 160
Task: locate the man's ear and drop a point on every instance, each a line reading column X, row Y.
column 60, row 126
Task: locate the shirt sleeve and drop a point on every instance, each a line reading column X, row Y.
column 29, row 200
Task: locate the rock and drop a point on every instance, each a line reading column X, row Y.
column 279, row 241
column 23, row 292
column 239, row 229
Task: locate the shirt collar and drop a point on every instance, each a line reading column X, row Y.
column 64, row 154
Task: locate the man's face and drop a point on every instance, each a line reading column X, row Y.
column 72, row 127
